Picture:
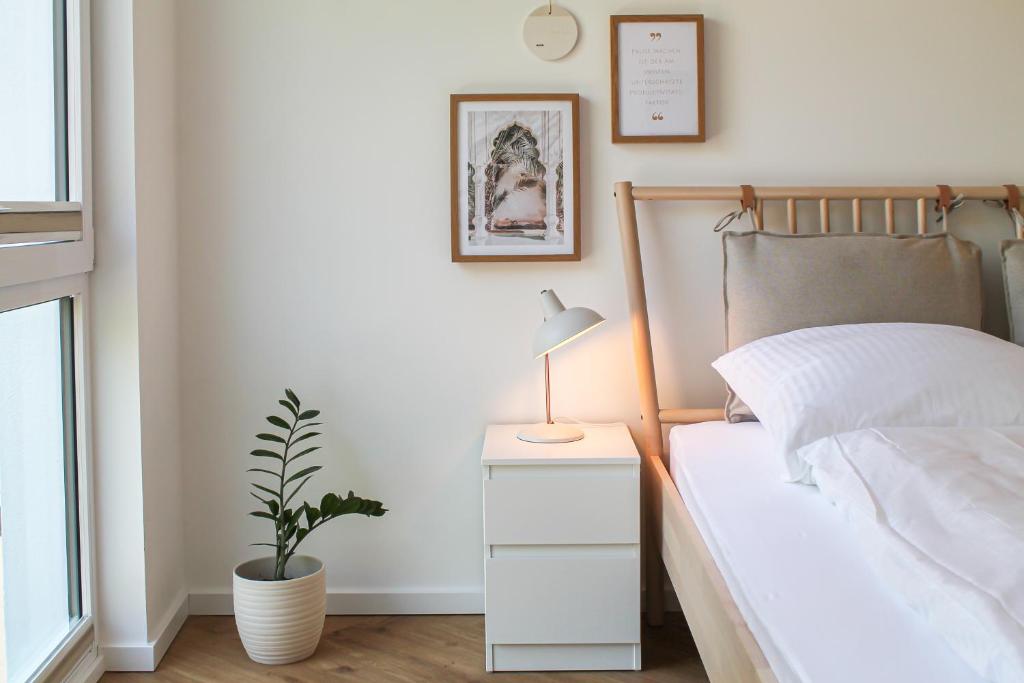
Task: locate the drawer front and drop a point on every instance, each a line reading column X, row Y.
column 566, row 657
column 527, row 510
column 540, row 600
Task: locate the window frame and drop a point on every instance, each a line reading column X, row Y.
column 56, row 259
column 81, row 639
column 39, row 272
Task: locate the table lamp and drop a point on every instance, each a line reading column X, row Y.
column 561, row 326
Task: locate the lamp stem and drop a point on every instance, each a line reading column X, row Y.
column 547, row 388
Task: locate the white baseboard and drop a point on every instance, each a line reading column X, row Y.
column 363, row 603
column 146, row 656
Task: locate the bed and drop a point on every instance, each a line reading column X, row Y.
column 774, row 543
column 748, row 627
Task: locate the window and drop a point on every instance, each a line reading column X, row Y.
column 46, row 253
column 41, row 152
column 38, row 484
column 33, row 122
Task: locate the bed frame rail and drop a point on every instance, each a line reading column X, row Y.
column 727, row 648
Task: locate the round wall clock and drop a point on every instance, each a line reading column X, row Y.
column 550, row 32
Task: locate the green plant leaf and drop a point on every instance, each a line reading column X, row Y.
column 296, row 490
column 269, row 545
column 274, row 507
column 272, row 492
column 307, row 435
column 259, row 498
column 292, row 397
column 305, row 452
column 328, row 503
column 265, row 515
column 259, row 469
column 303, row 473
column 308, row 424
column 262, row 453
column 349, row 506
column 271, row 437
column 302, row 533
column 308, row 414
column 292, row 409
column 353, row 504
column 312, row 514
column 278, row 422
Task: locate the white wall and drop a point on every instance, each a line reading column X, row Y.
column 140, row 544
column 156, row 201
column 313, row 218
column 121, row 580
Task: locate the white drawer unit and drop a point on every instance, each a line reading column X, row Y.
column 562, row 551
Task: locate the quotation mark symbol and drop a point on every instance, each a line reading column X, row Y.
column 655, row 36
column 657, row 116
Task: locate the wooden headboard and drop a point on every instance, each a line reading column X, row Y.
column 753, row 200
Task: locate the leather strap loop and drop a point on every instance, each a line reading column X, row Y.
column 1012, row 197
column 945, row 200
column 747, row 200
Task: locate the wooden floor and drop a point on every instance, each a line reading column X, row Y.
column 398, row 650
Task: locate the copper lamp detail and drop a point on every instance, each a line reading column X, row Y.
column 561, row 326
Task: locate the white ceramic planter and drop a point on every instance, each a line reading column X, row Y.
column 280, row 621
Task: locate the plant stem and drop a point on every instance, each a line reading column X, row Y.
column 282, row 558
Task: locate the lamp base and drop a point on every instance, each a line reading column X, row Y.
column 550, row 433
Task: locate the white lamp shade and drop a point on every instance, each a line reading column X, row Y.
column 561, row 325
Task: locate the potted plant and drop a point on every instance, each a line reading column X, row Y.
column 281, row 600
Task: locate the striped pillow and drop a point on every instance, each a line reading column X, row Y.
column 821, row 381
column 779, row 283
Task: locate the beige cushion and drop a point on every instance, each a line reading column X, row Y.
column 776, row 283
column 1013, row 279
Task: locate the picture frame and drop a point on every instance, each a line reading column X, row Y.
column 515, row 177
column 665, row 53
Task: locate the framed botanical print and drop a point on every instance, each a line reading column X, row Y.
column 515, row 171
column 657, row 78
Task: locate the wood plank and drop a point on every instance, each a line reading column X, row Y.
column 405, row 649
column 810, row 192
column 650, row 445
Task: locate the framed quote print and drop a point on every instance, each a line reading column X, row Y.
column 657, row 78
column 515, row 168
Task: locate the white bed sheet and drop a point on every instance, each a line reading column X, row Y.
column 793, row 566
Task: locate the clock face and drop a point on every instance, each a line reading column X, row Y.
column 550, row 32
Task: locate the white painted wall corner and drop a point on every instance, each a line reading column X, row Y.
column 146, row 656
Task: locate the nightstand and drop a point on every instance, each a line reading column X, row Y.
column 562, row 551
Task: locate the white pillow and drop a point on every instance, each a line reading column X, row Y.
column 821, row 381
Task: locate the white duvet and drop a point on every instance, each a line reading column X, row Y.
column 940, row 515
